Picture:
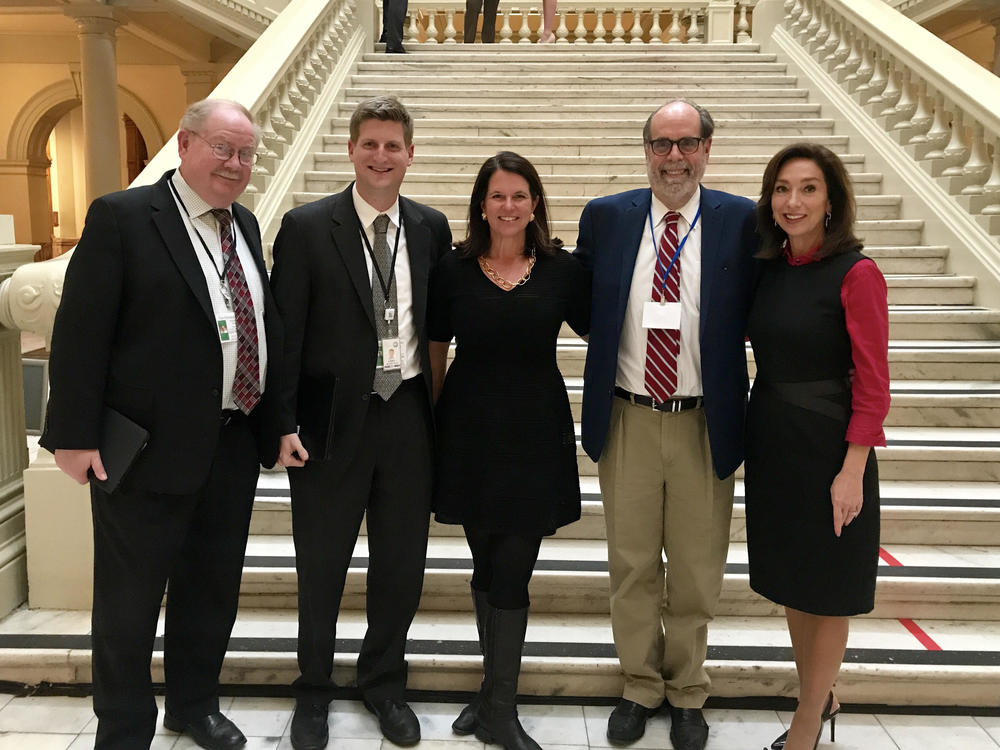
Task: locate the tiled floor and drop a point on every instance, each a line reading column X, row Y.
column 63, row 723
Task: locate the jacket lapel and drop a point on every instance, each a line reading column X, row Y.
column 633, row 225
column 418, row 243
column 347, row 239
column 713, row 229
column 167, row 218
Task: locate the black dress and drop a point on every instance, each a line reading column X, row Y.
column 506, row 447
column 797, row 420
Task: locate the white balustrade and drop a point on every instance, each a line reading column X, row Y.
column 688, row 22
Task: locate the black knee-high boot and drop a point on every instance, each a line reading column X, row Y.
column 497, row 715
column 490, row 21
column 471, row 20
column 466, row 721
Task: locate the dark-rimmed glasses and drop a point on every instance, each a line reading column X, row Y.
column 686, row 145
column 224, row 152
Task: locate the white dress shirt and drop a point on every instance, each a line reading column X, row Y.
column 631, row 373
column 199, row 221
column 404, row 291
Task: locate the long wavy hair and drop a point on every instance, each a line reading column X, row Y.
column 537, row 238
column 838, row 236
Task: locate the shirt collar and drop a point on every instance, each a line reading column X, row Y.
column 801, row 260
column 688, row 211
column 194, row 203
column 367, row 212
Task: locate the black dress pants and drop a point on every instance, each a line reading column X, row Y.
column 192, row 544
column 393, row 17
column 389, row 482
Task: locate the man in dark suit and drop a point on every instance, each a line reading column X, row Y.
column 166, row 317
column 350, row 279
column 665, row 385
column 393, row 18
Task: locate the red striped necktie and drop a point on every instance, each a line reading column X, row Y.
column 663, row 345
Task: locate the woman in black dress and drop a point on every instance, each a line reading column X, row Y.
column 506, row 445
column 819, row 330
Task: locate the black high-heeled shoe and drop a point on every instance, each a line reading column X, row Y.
column 828, row 715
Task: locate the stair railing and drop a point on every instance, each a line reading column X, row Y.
column 925, row 109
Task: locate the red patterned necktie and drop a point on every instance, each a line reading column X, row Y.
column 663, row 345
column 246, row 383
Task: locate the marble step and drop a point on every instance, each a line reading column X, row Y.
column 571, row 577
column 648, row 96
column 560, row 145
column 954, row 360
column 486, row 127
column 970, row 454
column 952, row 662
column 714, row 52
column 949, row 513
column 914, row 403
column 569, row 66
column 613, row 110
column 567, row 194
column 429, row 162
column 592, row 84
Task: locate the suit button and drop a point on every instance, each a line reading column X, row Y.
column 215, row 391
column 364, row 396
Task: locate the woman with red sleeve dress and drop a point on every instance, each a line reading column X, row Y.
column 819, row 327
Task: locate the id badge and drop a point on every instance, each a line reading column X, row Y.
column 390, row 356
column 665, row 315
column 227, row 328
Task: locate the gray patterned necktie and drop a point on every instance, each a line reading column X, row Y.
column 385, row 382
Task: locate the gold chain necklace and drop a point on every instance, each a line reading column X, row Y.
column 499, row 280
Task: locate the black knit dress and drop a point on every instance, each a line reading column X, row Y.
column 797, row 420
column 506, row 446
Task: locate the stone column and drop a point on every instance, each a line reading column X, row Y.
column 96, row 26
column 996, row 46
column 720, row 18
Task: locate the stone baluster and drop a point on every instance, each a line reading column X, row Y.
column 793, row 16
column 449, row 30
column 956, row 152
column 891, row 93
column 899, row 120
column 923, row 116
column 431, row 32
column 524, row 33
column 600, row 30
column 694, row 30
column 505, row 29
column 831, row 38
column 413, row 31
column 805, row 18
column 869, row 92
column 618, row 32
column 991, row 190
column 811, row 30
column 635, row 30
column 818, row 40
column 840, row 53
column 580, row 32
column 562, row 32
column 938, row 134
column 847, row 73
column 743, row 26
column 674, row 32
column 655, row 30
column 976, row 169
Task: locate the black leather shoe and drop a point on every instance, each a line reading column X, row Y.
column 394, row 50
column 397, row 721
column 309, row 726
column 688, row 728
column 213, row 732
column 627, row 722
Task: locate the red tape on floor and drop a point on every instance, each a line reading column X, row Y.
column 915, row 630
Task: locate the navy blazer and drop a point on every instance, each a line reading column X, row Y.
column 611, row 229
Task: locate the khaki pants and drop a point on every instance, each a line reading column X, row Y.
column 661, row 496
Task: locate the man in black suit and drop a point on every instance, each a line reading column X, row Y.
column 350, row 279
column 393, row 18
column 166, row 317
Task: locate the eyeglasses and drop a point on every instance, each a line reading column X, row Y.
column 224, row 152
column 686, row 145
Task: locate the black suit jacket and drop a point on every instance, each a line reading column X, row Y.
column 135, row 331
column 323, row 291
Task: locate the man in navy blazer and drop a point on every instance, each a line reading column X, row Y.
column 665, row 388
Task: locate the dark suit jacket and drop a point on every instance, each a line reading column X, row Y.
column 323, row 291
column 135, row 331
column 610, row 232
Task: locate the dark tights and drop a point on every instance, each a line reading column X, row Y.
column 502, row 565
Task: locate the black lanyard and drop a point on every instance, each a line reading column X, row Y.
column 386, row 287
column 225, row 261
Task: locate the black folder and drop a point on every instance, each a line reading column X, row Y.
column 122, row 440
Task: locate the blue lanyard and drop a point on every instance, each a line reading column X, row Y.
column 680, row 246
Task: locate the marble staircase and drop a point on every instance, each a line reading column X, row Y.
column 934, row 637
